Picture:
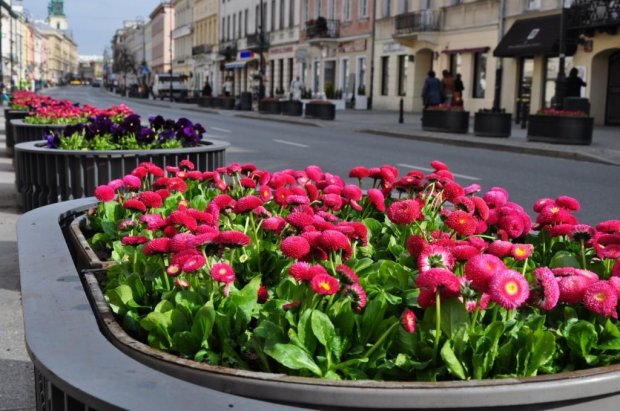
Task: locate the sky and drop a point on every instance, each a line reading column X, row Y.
column 93, row 22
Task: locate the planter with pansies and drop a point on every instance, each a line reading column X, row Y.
column 386, row 291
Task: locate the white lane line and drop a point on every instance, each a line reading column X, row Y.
column 463, row 176
column 290, row 143
column 223, row 130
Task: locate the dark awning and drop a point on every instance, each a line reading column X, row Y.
column 531, row 37
column 466, row 50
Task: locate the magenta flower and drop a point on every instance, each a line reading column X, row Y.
column 601, row 298
column 547, row 292
column 358, row 296
column 435, row 256
column 105, row 193
column 223, row 273
column 509, row 289
column 324, row 284
column 408, row 320
column 295, row 247
column 403, row 212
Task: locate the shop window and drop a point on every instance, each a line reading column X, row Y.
column 402, row 75
column 455, row 63
column 403, row 6
column 361, row 73
column 480, row 75
column 385, row 74
column 317, row 76
column 273, row 15
column 552, row 67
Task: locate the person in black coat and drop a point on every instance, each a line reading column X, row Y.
column 574, row 84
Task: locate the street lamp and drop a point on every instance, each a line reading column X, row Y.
column 560, row 82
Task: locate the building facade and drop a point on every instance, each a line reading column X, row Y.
column 182, row 36
column 205, row 44
column 162, row 48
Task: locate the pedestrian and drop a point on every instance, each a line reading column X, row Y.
column 227, row 87
column 295, row 89
column 431, row 92
column 206, row 90
column 447, row 88
column 458, row 90
column 574, row 83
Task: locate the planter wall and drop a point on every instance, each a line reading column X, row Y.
column 321, row 111
column 44, row 176
column 8, row 128
column 24, row 132
column 269, row 106
column 489, row 124
column 292, row 108
column 560, row 129
column 67, row 348
column 227, row 103
column 447, row 121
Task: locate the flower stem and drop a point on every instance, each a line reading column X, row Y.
column 583, row 255
column 380, row 340
column 437, row 326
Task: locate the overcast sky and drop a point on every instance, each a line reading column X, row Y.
column 93, row 22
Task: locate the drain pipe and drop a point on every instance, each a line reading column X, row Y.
column 499, row 70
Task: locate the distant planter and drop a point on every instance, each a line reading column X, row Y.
column 492, row 124
column 206, row 101
column 227, row 103
column 23, row 132
column 573, row 130
column 320, row 109
column 446, row 120
column 8, row 127
column 45, row 176
column 292, row 107
column 270, row 105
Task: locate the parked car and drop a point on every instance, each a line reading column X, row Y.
column 165, row 82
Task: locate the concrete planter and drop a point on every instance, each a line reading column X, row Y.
column 227, row 103
column 292, row 108
column 321, row 110
column 69, row 345
column 23, row 132
column 269, row 106
column 8, row 127
column 560, row 129
column 44, row 176
column 490, row 124
column 447, row 121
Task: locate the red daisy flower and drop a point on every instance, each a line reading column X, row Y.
column 415, row 244
column 157, row 245
column 150, row 199
column 262, row 294
column 509, row 289
column 163, row 193
column 409, row 321
column 403, row 212
column 359, row 172
column 223, row 201
column 435, row 256
column 295, row 247
column 133, row 204
column 176, row 185
column 134, row 240
column 181, row 241
column 139, row 172
column 609, row 226
column 123, row 225
column 332, row 240
column 521, row 251
column 547, row 292
column 273, row 224
column 314, row 173
column 358, row 296
column 223, row 273
column 105, row 193
column 332, row 201
column 324, row 284
column 187, row 164
column 438, row 280
column 132, row 182
column 464, row 252
column 352, row 192
column 173, row 270
column 181, row 283
column 184, row 219
column 300, row 271
column 194, row 263
column 462, row 223
column 299, row 220
column 247, row 203
column 347, row 275
column 500, row 248
column 615, row 270
column 233, row 238
column 481, row 268
column 601, row 298
column 568, row 202
column 581, row 232
column 607, row 245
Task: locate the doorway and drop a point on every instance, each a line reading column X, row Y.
column 524, row 93
column 612, row 112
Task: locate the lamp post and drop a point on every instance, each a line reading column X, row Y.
column 560, row 82
column 499, row 69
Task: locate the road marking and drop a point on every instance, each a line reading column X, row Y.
column 223, row 130
column 463, row 176
column 290, row 143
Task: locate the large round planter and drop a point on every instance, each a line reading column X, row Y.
column 69, row 345
column 24, row 132
column 8, row 128
column 269, row 106
column 447, row 121
column 321, row 111
column 490, row 124
column 292, row 107
column 560, row 129
column 44, row 176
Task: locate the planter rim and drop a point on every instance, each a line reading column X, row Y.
column 38, row 147
column 21, row 122
column 40, row 230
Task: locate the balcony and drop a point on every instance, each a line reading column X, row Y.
column 228, row 48
column 588, row 16
column 418, row 21
column 201, row 49
column 253, row 42
column 322, row 28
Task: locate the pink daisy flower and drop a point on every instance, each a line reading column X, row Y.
column 132, row 182
column 247, row 203
column 105, row 193
column 547, row 292
column 403, row 212
column 173, row 270
column 133, row 204
column 262, row 295
column 300, row 271
column 333, row 240
column 415, row 244
column 134, row 240
column 184, row 219
column 194, row 263
column 438, row 280
column 435, row 256
column 181, row 283
column 299, row 220
column 233, row 238
column 462, row 223
column 223, row 273
column 601, row 298
column 347, row 275
column 409, row 321
column 377, row 199
column 150, row 199
column 157, row 246
column 153, row 221
column 568, row 202
column 521, row 251
column 358, row 296
column 572, row 288
column 582, row 232
column 509, row 289
column 273, row 224
column 324, row 284
column 500, row 248
column 295, row 247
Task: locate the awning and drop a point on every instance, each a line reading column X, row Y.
column 235, row 64
column 467, row 50
column 531, row 37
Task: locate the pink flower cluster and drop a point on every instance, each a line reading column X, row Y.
column 51, row 111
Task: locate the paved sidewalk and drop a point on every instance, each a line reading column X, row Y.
column 16, row 375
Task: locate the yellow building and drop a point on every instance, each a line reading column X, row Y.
column 204, row 50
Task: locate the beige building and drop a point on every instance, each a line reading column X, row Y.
column 204, row 48
column 162, row 49
column 182, row 37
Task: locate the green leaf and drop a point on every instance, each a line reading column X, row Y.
column 293, row 357
column 270, row 332
column 188, row 299
column 178, row 321
column 118, row 298
column 542, row 347
column 611, row 345
column 186, row 343
column 304, row 331
column 564, row 258
column 452, row 363
column 164, row 306
column 137, row 287
column 453, row 316
column 323, row 329
column 203, row 323
column 486, row 350
column 245, row 302
column 581, row 338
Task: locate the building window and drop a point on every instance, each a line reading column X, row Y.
column 257, row 20
column 346, row 10
column 424, row 4
column 234, row 26
column 480, row 75
column 332, row 9
column 385, row 74
column 273, row 15
column 228, row 36
column 306, row 10
column 291, row 66
column 317, row 76
column 361, row 72
column 552, row 67
column 363, row 11
column 245, row 23
column 282, row 10
column 402, row 75
column 319, row 9
column 455, row 63
column 291, row 13
column 532, row 4
column 223, row 28
column 386, row 10
column 403, row 6
column 240, row 26
column 281, row 72
column 344, row 75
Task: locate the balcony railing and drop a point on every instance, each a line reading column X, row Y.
column 201, row 49
column 253, row 42
column 593, row 14
column 425, row 20
column 228, row 48
column 322, row 28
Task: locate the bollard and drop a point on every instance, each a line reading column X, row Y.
column 400, row 112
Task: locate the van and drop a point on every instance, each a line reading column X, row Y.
column 164, row 82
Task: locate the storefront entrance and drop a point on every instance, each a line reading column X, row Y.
column 524, row 93
column 612, row 113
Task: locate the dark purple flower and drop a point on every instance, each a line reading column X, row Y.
column 145, row 135
column 131, row 123
column 157, row 122
column 53, row 139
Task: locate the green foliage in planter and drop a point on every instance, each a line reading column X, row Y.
column 329, row 90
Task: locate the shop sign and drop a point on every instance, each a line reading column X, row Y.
column 392, row 47
column 280, row 50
